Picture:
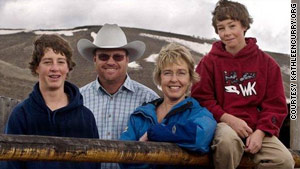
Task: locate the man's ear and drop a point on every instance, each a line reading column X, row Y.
column 94, row 58
column 127, row 58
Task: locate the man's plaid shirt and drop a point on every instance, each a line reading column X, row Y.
column 112, row 111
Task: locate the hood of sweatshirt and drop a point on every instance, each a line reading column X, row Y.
column 39, row 106
column 218, row 49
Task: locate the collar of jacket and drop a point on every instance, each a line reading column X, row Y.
column 147, row 108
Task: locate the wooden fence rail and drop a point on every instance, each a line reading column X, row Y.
column 39, row 148
column 44, row 148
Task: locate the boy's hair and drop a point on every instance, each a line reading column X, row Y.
column 174, row 54
column 57, row 44
column 231, row 10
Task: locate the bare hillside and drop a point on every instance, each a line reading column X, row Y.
column 16, row 47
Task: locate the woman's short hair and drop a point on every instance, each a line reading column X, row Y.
column 174, row 54
column 57, row 44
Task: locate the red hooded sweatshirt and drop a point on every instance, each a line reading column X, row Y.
column 247, row 85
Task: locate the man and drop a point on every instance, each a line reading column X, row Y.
column 113, row 96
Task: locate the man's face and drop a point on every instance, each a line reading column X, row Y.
column 111, row 65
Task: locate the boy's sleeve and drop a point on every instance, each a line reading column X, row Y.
column 16, row 123
column 95, row 129
column 91, row 123
column 274, row 107
column 12, row 165
column 204, row 90
column 134, row 166
column 194, row 134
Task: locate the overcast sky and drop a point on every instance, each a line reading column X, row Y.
column 190, row 17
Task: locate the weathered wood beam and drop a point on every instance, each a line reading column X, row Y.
column 42, row 148
column 296, row 156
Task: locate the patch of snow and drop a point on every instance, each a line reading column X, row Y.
column 134, row 65
column 40, row 32
column 285, row 69
column 64, row 32
column 201, row 48
column 93, row 35
column 152, row 58
column 10, row 31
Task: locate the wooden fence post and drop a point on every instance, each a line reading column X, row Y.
column 295, row 124
column 6, row 106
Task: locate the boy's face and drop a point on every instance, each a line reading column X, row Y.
column 231, row 33
column 52, row 70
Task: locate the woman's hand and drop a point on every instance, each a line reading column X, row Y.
column 144, row 137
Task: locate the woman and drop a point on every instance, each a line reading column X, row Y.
column 174, row 118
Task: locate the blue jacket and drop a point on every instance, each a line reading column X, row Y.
column 33, row 117
column 188, row 125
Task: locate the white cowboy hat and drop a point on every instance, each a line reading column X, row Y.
column 111, row 36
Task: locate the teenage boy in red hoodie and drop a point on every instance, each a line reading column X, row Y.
column 242, row 86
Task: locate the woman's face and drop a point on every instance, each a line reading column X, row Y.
column 175, row 81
